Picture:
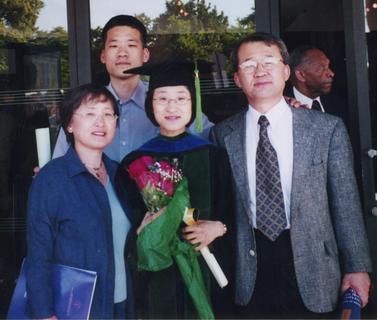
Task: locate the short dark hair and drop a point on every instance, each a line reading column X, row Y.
column 297, row 57
column 298, row 54
column 125, row 20
column 76, row 97
column 149, row 106
column 267, row 38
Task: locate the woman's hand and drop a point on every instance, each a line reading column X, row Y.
column 295, row 103
column 203, row 232
column 148, row 218
column 36, row 171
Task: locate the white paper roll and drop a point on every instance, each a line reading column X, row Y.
column 42, row 136
column 214, row 267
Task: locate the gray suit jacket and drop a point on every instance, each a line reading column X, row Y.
column 327, row 229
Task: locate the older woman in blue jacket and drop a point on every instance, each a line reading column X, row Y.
column 74, row 216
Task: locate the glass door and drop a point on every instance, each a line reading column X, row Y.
column 34, row 73
column 189, row 29
column 371, row 34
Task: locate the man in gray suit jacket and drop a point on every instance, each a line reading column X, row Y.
column 318, row 249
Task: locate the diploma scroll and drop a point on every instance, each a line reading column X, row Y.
column 189, row 218
column 214, row 267
column 42, row 136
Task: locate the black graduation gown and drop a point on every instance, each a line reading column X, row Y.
column 162, row 294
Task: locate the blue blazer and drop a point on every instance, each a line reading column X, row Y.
column 69, row 222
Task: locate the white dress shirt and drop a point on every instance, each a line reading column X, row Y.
column 280, row 133
column 306, row 100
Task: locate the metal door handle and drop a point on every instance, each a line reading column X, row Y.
column 372, row 153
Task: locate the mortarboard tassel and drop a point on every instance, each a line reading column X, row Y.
column 198, row 116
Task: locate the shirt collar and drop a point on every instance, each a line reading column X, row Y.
column 304, row 99
column 138, row 96
column 75, row 166
column 273, row 115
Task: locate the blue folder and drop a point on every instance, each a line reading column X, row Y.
column 73, row 293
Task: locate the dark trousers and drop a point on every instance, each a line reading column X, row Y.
column 276, row 294
column 120, row 310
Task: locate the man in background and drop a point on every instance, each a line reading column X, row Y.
column 312, row 79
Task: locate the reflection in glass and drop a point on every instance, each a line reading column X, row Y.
column 187, row 29
column 371, row 28
column 33, row 74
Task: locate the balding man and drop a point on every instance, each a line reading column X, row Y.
column 312, row 79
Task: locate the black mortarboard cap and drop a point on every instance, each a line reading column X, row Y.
column 170, row 73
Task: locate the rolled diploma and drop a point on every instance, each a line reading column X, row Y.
column 42, row 136
column 189, row 218
column 214, row 267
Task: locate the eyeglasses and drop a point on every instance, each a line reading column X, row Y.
column 164, row 101
column 250, row 66
column 92, row 116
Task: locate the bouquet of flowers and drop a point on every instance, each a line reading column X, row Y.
column 161, row 184
column 156, row 180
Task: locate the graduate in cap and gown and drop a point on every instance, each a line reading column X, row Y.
column 171, row 280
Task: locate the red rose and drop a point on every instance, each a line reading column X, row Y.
column 147, row 160
column 152, row 178
column 166, row 167
column 136, row 168
column 168, row 186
